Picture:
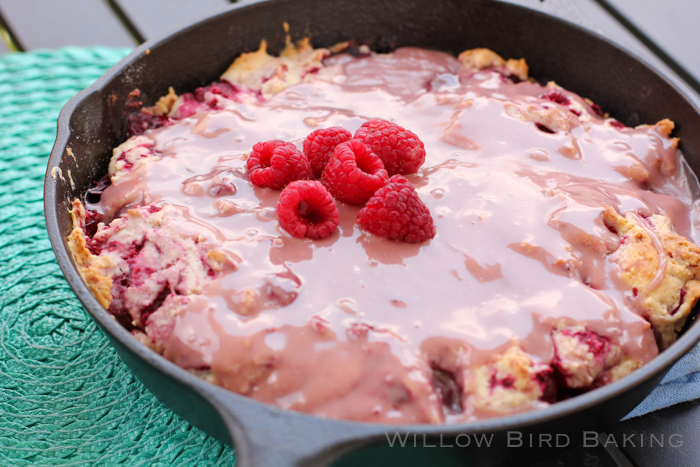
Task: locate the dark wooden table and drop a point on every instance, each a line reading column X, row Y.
column 665, row 33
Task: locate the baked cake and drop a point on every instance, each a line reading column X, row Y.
column 552, row 252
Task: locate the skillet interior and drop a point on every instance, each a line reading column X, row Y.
column 94, row 122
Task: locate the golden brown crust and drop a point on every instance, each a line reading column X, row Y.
column 518, row 67
column 247, row 63
column 339, row 47
column 481, row 59
column 165, row 104
column 665, row 126
column 270, row 75
column 92, row 271
column 665, row 295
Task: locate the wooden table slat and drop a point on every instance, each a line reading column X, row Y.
column 3, row 48
column 54, row 24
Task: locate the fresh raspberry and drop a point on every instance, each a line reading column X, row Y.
column 319, row 146
column 400, row 149
column 273, row 164
column 396, row 212
column 307, row 209
column 354, row 172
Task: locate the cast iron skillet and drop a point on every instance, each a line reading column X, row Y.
column 94, row 121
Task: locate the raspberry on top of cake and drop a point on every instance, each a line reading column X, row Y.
column 408, row 237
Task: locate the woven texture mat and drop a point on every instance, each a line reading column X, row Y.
column 65, row 396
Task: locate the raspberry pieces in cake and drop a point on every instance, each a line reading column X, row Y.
column 160, row 323
column 145, row 262
column 581, row 356
column 511, row 381
column 130, row 155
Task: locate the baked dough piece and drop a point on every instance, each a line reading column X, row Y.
column 270, row 75
column 130, row 155
column 581, row 356
column 661, row 268
column 483, row 59
column 511, row 381
column 140, row 260
column 96, row 271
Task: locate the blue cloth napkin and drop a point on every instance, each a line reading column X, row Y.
column 681, row 384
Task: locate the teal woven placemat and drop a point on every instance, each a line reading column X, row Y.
column 65, row 396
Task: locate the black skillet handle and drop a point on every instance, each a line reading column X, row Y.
column 266, row 436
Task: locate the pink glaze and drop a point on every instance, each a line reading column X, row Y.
column 659, row 276
column 352, row 326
